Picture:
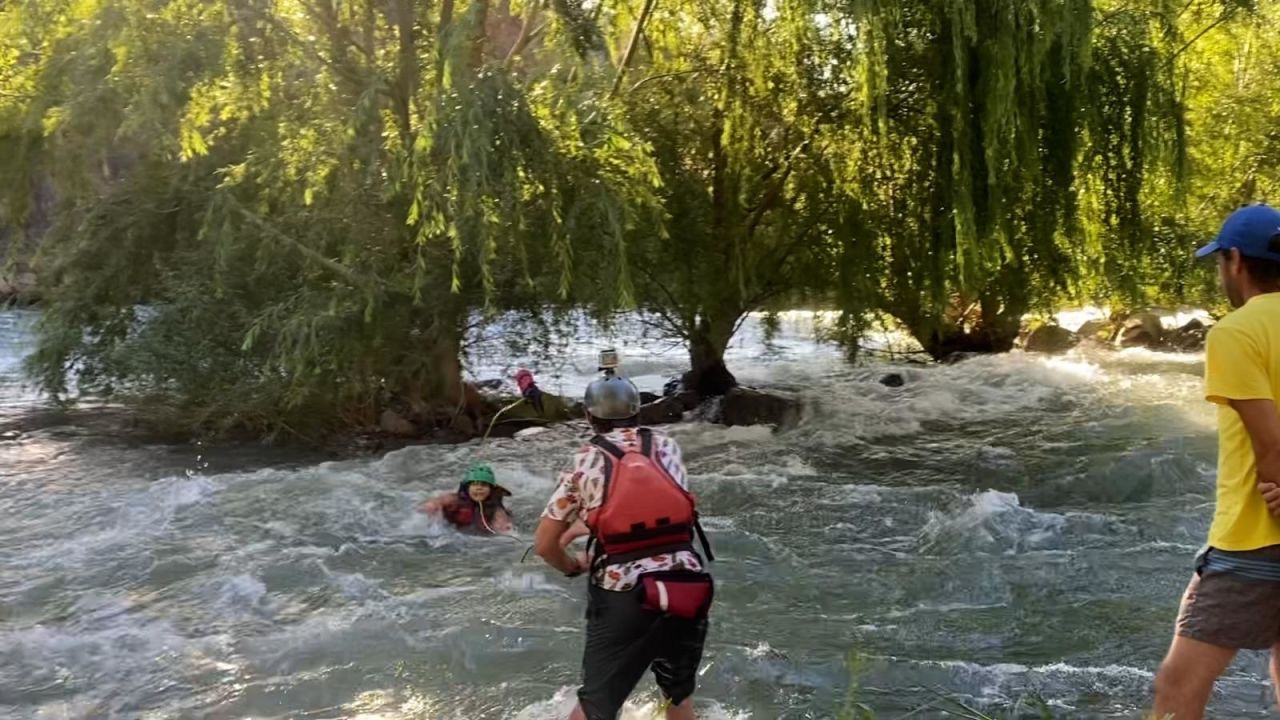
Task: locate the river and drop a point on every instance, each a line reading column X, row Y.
column 1007, row 528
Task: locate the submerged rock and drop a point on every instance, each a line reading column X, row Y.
column 1189, row 337
column 1140, row 330
column 893, row 380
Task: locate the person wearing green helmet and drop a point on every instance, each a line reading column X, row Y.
column 477, row 505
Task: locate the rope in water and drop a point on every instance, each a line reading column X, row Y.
column 483, row 441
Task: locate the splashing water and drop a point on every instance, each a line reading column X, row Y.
column 1005, row 527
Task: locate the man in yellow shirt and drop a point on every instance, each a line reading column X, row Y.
column 1233, row 601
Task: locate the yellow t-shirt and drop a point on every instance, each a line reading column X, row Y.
column 1242, row 362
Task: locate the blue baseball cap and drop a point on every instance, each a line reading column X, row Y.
column 1249, row 230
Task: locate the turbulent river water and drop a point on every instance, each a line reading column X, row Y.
column 1008, row 528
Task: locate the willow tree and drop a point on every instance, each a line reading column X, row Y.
column 315, row 201
column 1228, row 69
column 733, row 101
column 984, row 123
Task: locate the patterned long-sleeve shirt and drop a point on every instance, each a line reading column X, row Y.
column 581, row 490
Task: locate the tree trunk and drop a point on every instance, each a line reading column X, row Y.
column 435, row 394
column 994, row 330
column 708, row 376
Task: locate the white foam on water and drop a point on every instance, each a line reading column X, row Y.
column 1005, row 683
column 241, row 592
column 355, row 586
column 993, row 521
column 562, row 703
column 133, row 521
column 528, row 583
column 703, row 435
column 108, row 647
column 943, row 608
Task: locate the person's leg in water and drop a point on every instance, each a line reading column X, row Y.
column 620, row 647
column 1186, row 677
column 676, row 663
column 683, row 711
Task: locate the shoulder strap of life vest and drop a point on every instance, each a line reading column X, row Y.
column 614, row 453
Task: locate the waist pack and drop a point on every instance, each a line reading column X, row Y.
column 679, row 594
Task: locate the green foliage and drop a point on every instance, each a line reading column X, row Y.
column 283, row 216
column 274, row 215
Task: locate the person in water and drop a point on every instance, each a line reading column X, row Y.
column 476, row 506
column 648, row 595
column 1233, row 600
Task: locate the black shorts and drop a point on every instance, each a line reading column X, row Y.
column 623, row 640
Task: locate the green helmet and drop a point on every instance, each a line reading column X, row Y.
column 480, row 474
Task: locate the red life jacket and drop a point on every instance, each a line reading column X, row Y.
column 644, row 511
column 461, row 515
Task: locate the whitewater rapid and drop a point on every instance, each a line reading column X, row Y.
column 1007, row 528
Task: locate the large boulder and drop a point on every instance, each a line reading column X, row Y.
column 662, row 411
column 1140, row 330
column 392, row 423
column 744, row 406
column 1050, row 339
column 1189, row 337
column 1096, row 331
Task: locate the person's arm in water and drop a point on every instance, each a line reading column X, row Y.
column 546, row 542
column 502, row 521
column 438, row 504
column 562, row 510
column 1263, row 424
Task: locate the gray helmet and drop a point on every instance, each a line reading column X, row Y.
column 612, row 398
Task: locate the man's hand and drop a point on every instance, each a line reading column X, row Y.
column 430, row 507
column 546, row 542
column 1271, row 493
column 1263, row 425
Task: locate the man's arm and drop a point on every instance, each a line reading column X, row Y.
column 546, row 542
column 1263, row 425
column 563, row 508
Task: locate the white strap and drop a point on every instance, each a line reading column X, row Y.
column 662, row 595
